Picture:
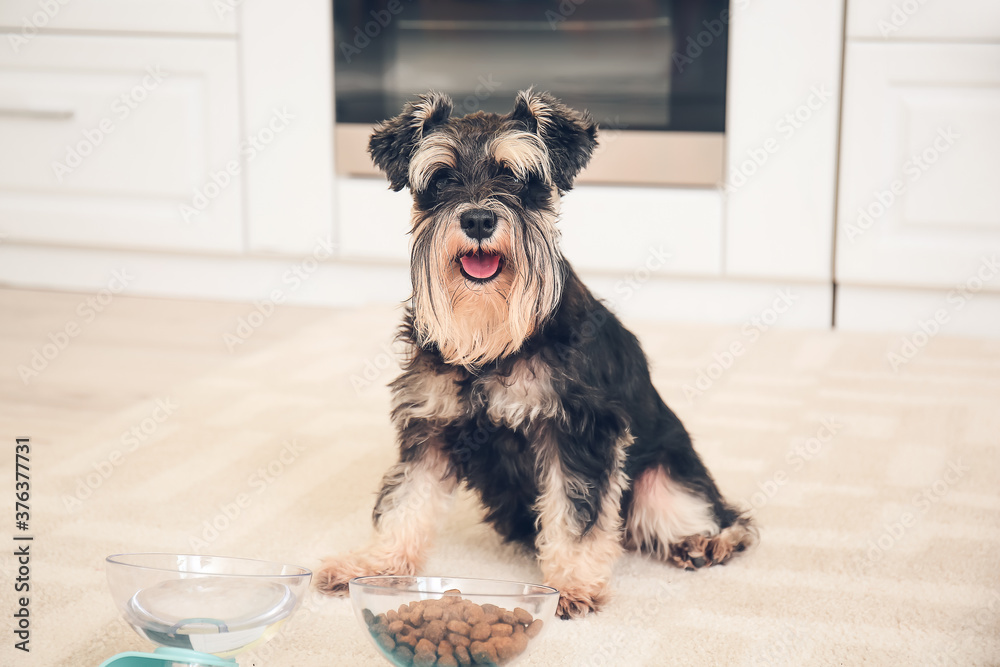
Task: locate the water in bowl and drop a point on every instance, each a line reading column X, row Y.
column 218, row 615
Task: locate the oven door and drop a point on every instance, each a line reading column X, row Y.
column 653, row 74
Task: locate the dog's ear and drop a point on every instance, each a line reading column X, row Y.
column 569, row 135
column 393, row 142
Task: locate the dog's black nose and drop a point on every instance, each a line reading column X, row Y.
column 478, row 223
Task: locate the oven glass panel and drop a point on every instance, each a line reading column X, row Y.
column 637, row 65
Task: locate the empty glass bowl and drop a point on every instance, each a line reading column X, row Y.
column 204, row 604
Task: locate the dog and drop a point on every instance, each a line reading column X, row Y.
column 519, row 383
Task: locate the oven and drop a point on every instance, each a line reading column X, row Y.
column 651, row 72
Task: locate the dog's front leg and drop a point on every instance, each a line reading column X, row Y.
column 580, row 530
column 414, row 494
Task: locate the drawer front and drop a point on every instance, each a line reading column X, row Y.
column 954, row 20
column 25, row 17
column 121, row 142
column 920, row 155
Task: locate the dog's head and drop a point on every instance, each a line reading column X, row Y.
column 485, row 261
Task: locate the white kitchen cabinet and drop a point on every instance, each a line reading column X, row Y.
column 954, row 20
column 920, row 158
column 286, row 67
column 25, row 18
column 781, row 139
column 122, row 142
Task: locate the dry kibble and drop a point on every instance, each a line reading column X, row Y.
column 409, row 636
column 452, row 632
column 385, row 641
column 426, row 646
column 505, row 648
column 435, row 631
column 453, row 593
column 501, row 630
column 424, row 660
column 474, row 615
column 459, row 627
column 480, row 632
column 462, row 656
column 483, row 653
column 403, row 655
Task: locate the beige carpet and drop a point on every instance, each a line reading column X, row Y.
column 878, row 492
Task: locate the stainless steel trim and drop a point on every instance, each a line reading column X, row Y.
column 548, row 26
column 46, row 114
column 623, row 157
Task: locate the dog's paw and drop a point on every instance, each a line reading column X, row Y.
column 696, row 552
column 577, row 603
column 335, row 573
column 691, row 553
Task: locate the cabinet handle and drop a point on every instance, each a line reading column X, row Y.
column 44, row 114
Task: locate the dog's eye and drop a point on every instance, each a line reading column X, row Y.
column 440, row 181
column 514, row 178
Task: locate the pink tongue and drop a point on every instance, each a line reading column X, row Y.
column 481, row 264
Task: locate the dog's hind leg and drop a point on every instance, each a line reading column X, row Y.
column 414, row 495
column 678, row 524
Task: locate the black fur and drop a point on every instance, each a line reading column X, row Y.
column 569, row 135
column 599, row 423
column 601, row 374
column 393, row 142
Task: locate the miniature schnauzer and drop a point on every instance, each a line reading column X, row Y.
column 520, row 383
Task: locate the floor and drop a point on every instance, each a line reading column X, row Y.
column 166, row 425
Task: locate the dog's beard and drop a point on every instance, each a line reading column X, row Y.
column 472, row 322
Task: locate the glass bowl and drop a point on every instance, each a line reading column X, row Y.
column 452, row 622
column 210, row 604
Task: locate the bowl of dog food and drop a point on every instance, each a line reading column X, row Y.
column 452, row 622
